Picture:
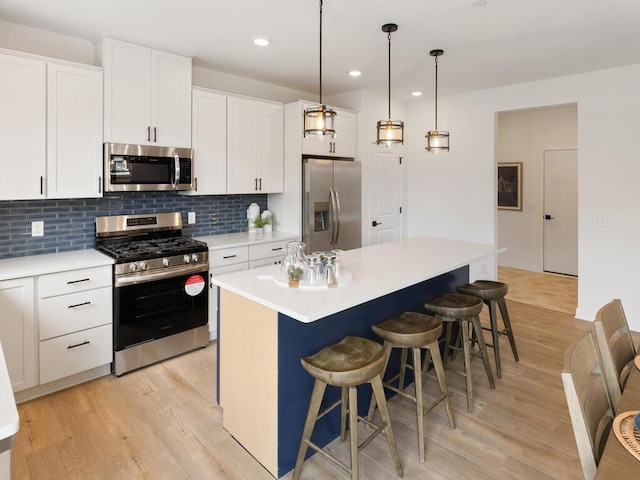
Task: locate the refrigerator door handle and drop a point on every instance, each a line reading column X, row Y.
column 335, row 197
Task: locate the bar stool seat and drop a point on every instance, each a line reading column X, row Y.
column 491, row 293
column 351, row 362
column 464, row 309
column 414, row 331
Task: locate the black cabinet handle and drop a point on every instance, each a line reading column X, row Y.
column 79, row 304
column 86, row 342
column 548, row 217
column 155, row 132
column 230, row 256
column 148, row 134
column 71, row 282
column 276, row 249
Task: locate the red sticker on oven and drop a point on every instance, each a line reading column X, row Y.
column 194, row 285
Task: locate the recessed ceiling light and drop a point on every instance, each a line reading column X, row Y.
column 355, row 73
column 479, row 3
column 416, row 94
column 261, row 42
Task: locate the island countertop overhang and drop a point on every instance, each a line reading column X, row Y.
column 377, row 271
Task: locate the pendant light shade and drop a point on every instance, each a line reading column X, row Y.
column 319, row 120
column 390, row 132
column 437, row 140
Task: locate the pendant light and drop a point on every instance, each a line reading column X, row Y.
column 318, row 120
column 437, row 140
column 390, row 132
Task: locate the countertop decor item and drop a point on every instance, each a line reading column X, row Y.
column 319, row 120
column 437, row 140
column 390, row 132
column 627, row 433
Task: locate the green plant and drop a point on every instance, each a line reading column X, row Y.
column 260, row 222
column 295, row 273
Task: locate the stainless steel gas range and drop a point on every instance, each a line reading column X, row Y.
column 160, row 296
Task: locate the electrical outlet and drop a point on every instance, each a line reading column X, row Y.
column 191, row 217
column 602, row 220
column 483, row 269
column 37, row 229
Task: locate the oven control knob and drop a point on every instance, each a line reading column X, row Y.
column 165, row 262
column 133, row 267
column 186, row 259
column 194, row 257
column 143, row 266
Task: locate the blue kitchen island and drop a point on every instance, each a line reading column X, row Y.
column 265, row 328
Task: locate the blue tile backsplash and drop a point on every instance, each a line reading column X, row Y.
column 70, row 224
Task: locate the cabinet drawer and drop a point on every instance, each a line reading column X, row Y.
column 74, row 353
column 74, row 281
column 260, row 251
column 228, row 256
column 77, row 311
column 265, row 261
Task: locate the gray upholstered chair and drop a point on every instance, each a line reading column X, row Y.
column 588, row 400
column 616, row 347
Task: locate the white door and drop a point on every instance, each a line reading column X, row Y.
column 561, row 211
column 385, row 204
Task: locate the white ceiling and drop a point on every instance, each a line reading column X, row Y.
column 503, row 42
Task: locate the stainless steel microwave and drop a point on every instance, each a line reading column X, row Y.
column 133, row 168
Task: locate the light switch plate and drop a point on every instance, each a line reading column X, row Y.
column 37, row 229
column 191, row 217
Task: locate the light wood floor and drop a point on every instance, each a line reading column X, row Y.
column 162, row 422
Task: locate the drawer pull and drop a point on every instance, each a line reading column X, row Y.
column 79, row 304
column 230, row 256
column 78, row 281
column 86, row 342
column 276, row 249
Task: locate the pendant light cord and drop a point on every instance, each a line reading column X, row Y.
column 389, row 93
column 436, row 94
column 320, row 52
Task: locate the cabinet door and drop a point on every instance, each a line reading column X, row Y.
column 270, row 148
column 22, row 127
column 209, row 143
column 242, row 146
column 171, row 97
column 18, row 331
column 127, row 93
column 345, row 141
column 213, row 294
column 74, row 132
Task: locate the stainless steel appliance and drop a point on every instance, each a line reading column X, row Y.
column 160, row 295
column 331, row 205
column 147, row 168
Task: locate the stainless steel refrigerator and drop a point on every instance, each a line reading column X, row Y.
column 331, row 205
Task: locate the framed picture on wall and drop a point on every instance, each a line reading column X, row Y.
column 510, row 186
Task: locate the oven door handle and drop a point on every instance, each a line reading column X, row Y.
column 125, row 280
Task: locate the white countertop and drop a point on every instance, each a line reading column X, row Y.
column 377, row 270
column 9, row 419
column 240, row 239
column 17, row 267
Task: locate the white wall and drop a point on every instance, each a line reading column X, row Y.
column 453, row 195
column 523, row 136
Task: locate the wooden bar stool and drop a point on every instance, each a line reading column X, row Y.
column 491, row 293
column 464, row 309
column 347, row 364
column 414, row 331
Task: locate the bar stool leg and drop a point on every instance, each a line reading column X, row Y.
column 387, row 353
column 403, row 367
column 464, row 326
column 507, row 324
column 447, row 341
column 312, row 414
column 343, row 413
column 483, row 349
column 378, row 392
column 353, row 427
column 495, row 333
column 417, row 383
column 434, row 350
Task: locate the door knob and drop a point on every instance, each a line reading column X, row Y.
column 548, row 217
column 375, row 224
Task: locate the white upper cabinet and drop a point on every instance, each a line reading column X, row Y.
column 74, row 131
column 255, row 146
column 50, row 129
column 147, row 97
column 22, row 127
column 209, row 140
column 344, row 145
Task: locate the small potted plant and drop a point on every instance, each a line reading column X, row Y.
column 294, row 274
column 259, row 222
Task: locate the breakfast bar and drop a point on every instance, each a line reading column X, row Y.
column 265, row 328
